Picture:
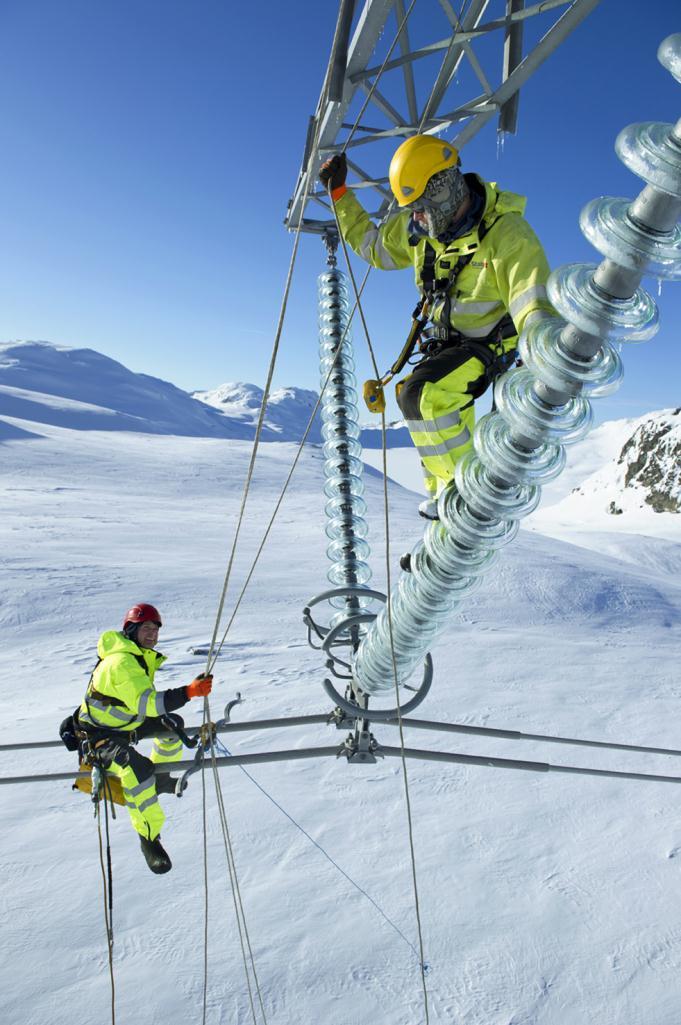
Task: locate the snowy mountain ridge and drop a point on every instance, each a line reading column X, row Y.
column 621, row 468
column 82, row 389
column 288, row 409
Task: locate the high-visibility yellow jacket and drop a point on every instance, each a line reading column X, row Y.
column 121, row 692
column 507, row 273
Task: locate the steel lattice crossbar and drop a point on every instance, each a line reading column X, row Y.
column 473, row 83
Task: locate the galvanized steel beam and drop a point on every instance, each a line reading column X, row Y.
column 395, row 108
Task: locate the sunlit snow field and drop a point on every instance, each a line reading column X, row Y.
column 545, row 899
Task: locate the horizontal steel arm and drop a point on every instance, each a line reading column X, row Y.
column 381, row 751
column 297, row 754
column 232, row 727
column 484, row 731
column 512, row 763
column 419, row 724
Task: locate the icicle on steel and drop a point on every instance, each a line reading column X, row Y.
column 346, row 527
column 544, row 406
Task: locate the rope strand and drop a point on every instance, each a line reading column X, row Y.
column 204, row 818
column 315, row 843
column 386, row 508
column 107, row 895
column 244, row 937
column 210, row 660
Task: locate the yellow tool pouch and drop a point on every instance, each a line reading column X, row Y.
column 112, row 789
column 374, row 396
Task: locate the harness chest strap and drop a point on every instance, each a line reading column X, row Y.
column 108, row 700
column 432, row 289
column 439, row 289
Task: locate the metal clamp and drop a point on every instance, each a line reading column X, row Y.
column 205, row 743
column 383, row 715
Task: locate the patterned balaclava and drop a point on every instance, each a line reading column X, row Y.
column 442, row 197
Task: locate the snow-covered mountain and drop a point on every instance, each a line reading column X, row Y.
column 83, row 390
column 626, row 468
column 287, row 415
column 629, row 469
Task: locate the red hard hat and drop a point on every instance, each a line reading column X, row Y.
column 142, row 613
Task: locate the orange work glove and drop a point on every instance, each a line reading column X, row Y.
column 199, row 687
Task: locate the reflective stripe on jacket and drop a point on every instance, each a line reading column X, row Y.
column 124, row 693
column 507, row 273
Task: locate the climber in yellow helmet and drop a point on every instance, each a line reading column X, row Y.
column 482, row 273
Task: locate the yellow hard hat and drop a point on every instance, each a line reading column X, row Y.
column 415, row 162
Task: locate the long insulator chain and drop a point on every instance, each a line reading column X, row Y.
column 544, row 405
column 346, row 527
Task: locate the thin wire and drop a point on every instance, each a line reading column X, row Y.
column 236, row 895
column 256, row 441
column 386, row 507
column 223, row 594
column 240, row 928
column 106, row 893
column 417, row 906
column 205, row 884
column 226, row 751
column 284, row 489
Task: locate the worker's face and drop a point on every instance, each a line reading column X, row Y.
column 443, row 201
column 147, row 635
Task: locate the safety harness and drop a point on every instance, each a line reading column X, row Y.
column 86, row 738
column 440, row 334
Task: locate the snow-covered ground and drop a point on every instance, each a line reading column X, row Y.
column 545, row 899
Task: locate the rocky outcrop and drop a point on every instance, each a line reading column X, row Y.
column 651, row 461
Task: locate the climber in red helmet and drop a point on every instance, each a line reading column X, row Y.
column 121, row 706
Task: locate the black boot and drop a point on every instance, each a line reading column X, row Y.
column 156, row 858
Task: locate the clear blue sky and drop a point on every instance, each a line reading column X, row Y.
column 149, row 150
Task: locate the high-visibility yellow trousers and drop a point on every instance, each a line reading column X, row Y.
column 136, row 774
column 437, row 403
column 139, row 791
